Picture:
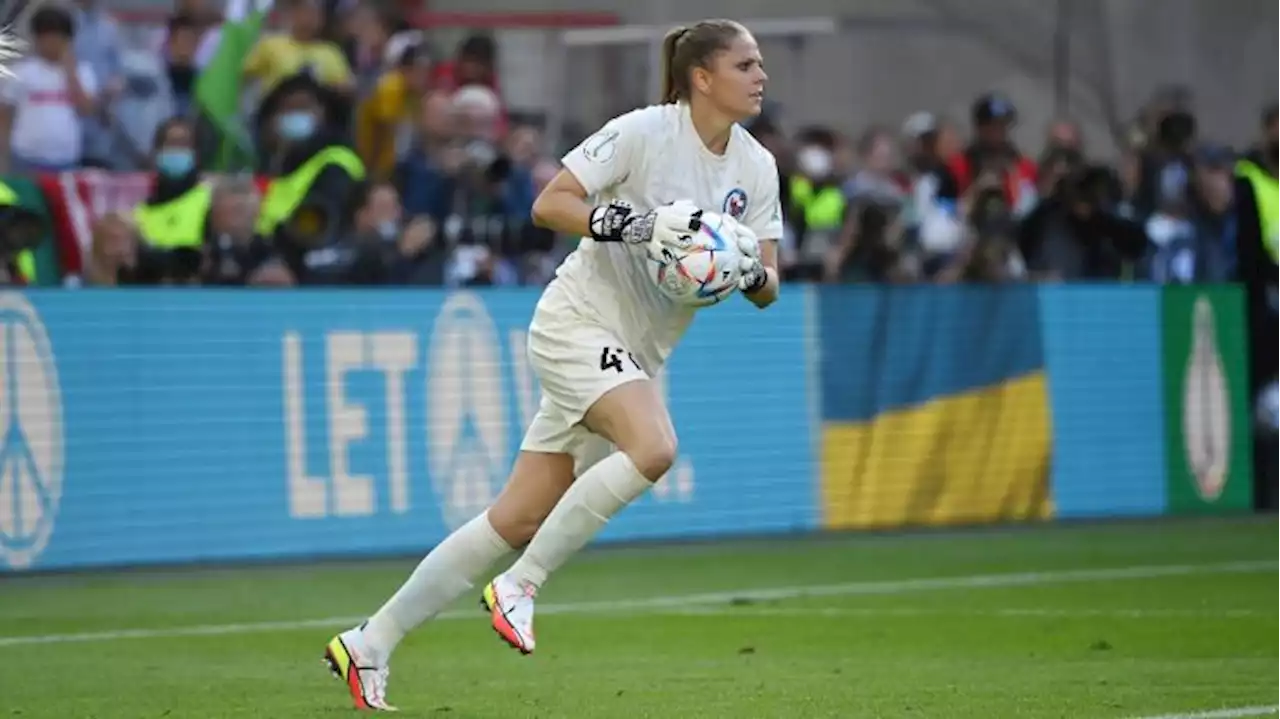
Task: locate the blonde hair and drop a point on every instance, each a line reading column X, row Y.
column 687, row 47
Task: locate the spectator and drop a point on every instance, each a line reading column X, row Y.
column 174, row 219
column 425, row 174
column 278, row 57
column 113, row 257
column 384, row 120
column 818, row 203
column 98, row 44
column 993, row 152
column 44, row 104
column 475, row 63
column 522, row 147
column 933, row 204
column 180, row 51
column 233, row 252
column 314, row 171
column 369, row 30
column 1200, row 247
column 1164, row 170
column 875, row 198
column 387, row 251
column 485, row 233
column 1076, row 234
column 1063, row 134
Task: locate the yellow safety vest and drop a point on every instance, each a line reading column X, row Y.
column 26, row 260
column 1266, row 190
column 284, row 194
column 178, row 222
column 822, row 209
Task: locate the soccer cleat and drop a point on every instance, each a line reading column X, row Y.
column 348, row 659
column 510, row 605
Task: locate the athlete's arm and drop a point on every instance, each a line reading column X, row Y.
column 767, row 293
column 764, row 218
column 599, row 163
column 562, row 206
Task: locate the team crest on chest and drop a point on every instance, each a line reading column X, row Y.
column 735, row 203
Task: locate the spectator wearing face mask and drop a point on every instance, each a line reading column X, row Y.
column 173, row 221
column 313, row 171
column 817, row 202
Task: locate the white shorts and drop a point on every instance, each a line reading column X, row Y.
column 577, row 361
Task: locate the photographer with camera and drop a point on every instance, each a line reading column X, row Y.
column 1165, row 158
column 1078, row 232
column 992, row 153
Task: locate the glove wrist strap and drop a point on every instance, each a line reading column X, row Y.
column 757, row 283
column 608, row 221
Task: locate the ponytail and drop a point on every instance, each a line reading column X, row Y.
column 673, row 83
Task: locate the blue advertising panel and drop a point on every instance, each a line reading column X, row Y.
column 174, row 426
column 1102, row 353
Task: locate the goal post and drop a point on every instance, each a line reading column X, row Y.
column 602, row 72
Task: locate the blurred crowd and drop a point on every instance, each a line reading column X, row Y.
column 940, row 200
column 357, row 151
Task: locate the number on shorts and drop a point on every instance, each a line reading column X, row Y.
column 611, row 359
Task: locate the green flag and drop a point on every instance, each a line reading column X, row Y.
column 220, row 86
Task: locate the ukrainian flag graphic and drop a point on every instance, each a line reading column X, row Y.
column 935, row 406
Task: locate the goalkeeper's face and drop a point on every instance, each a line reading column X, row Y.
column 735, row 81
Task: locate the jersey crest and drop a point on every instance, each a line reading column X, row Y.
column 735, row 203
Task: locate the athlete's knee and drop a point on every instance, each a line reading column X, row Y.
column 516, row 525
column 538, row 481
column 653, row 454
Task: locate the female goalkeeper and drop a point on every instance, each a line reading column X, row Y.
column 600, row 334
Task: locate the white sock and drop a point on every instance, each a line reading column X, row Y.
column 446, row 573
column 593, row 499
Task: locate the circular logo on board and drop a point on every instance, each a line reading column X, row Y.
column 1206, row 406
column 466, row 412
column 31, row 434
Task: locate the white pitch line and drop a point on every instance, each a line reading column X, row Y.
column 1258, row 711
column 1013, row 612
column 642, row 604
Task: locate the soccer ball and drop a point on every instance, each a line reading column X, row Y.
column 706, row 271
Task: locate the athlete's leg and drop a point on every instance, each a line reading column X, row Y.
column 539, row 478
column 634, row 418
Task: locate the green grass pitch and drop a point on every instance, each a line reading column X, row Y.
column 1105, row 621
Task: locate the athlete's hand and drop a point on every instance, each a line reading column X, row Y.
column 751, row 272
column 748, row 243
column 752, row 276
column 666, row 228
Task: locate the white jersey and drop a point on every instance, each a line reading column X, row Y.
column 649, row 158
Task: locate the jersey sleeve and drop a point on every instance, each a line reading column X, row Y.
column 606, row 158
column 765, row 215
